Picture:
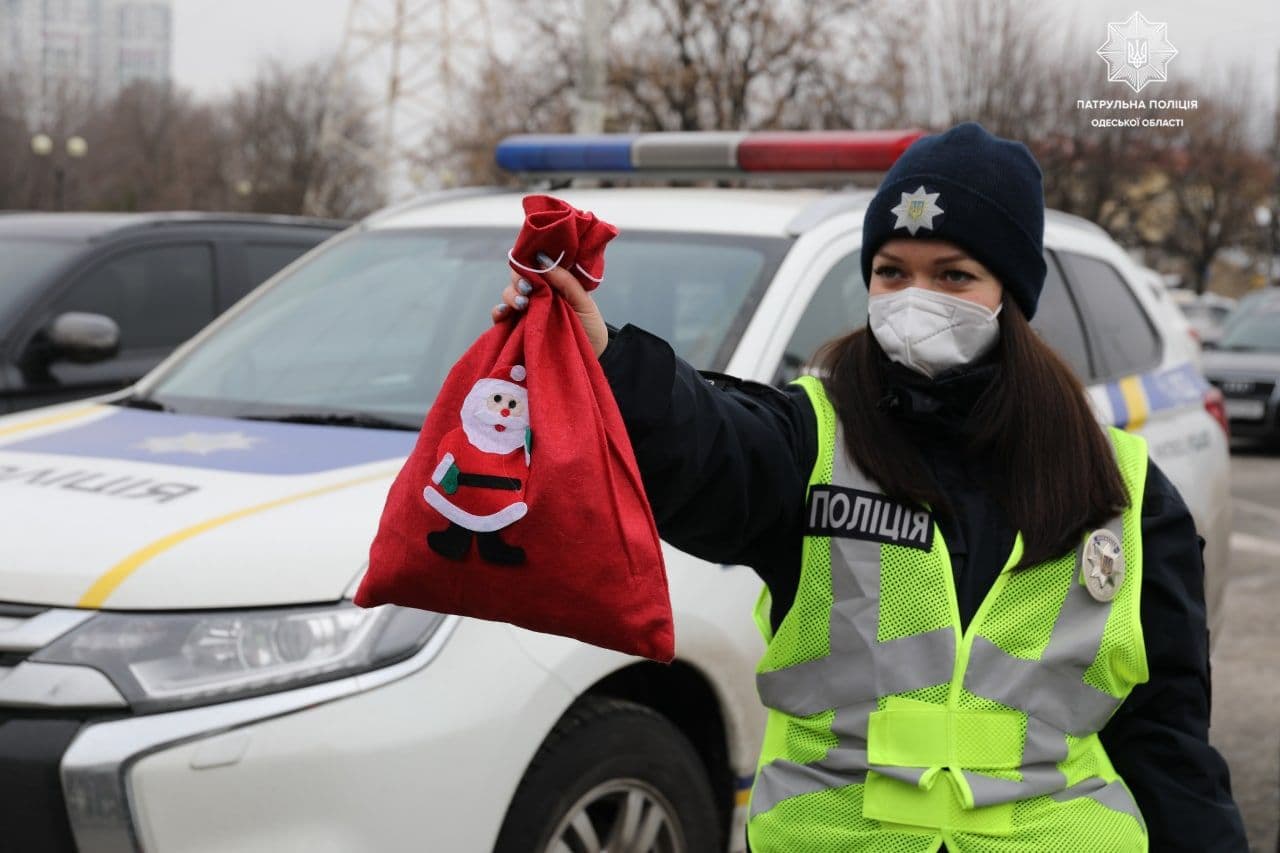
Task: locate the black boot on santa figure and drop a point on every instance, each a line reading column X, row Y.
column 494, row 550
column 455, row 540
column 452, row 542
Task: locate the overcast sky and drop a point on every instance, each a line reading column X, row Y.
column 219, row 43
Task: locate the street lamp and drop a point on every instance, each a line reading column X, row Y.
column 42, row 145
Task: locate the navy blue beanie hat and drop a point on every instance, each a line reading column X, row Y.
column 979, row 191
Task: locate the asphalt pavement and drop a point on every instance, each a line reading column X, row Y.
column 1246, row 659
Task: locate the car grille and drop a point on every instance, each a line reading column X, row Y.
column 32, row 808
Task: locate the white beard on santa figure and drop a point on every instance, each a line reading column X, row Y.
column 489, row 430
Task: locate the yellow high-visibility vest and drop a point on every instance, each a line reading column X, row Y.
column 891, row 730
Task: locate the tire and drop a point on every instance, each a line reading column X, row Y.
column 613, row 773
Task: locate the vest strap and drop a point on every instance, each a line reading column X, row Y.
column 911, row 733
column 935, row 806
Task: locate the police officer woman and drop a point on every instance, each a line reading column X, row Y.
column 984, row 612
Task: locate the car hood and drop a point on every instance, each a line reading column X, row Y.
column 1230, row 361
column 129, row 509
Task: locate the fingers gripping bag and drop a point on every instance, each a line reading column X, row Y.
column 521, row 501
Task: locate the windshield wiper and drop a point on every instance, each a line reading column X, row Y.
column 347, row 419
column 137, row 401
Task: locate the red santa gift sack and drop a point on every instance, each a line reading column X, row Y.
column 521, row 501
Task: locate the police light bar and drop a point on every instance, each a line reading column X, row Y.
column 699, row 153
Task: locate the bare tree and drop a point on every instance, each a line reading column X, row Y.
column 672, row 65
column 502, row 101
column 1217, row 178
column 275, row 125
column 994, row 62
column 725, row 64
column 152, row 148
column 15, row 151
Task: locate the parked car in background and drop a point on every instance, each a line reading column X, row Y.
column 1206, row 312
column 90, row 302
column 1245, row 365
column 188, row 670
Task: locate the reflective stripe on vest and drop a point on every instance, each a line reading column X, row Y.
column 855, row 674
column 1031, row 720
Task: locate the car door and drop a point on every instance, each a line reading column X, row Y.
column 1160, row 397
column 1125, row 345
column 158, row 294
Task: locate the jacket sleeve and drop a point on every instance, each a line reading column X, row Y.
column 726, row 470
column 1158, row 740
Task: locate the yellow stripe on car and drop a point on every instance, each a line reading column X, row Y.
column 50, row 420
column 1136, row 399
column 105, row 585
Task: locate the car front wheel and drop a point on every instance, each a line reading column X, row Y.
column 612, row 777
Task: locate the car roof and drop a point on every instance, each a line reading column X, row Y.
column 723, row 210
column 759, row 212
column 95, row 226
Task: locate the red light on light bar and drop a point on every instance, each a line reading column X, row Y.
column 824, row 150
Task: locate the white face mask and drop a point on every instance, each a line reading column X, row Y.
column 930, row 331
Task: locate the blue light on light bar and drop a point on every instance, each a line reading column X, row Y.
column 565, row 153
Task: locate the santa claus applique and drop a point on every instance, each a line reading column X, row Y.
column 479, row 483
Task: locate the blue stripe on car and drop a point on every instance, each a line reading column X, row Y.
column 192, row 441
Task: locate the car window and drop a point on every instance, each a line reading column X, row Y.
column 838, row 306
column 26, row 263
column 159, row 295
column 1058, row 322
column 694, row 290
column 1120, row 330
column 1258, row 331
column 373, row 322
column 266, row 259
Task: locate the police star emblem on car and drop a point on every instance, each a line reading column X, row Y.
column 201, row 443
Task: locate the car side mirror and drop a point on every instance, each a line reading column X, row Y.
column 82, row 338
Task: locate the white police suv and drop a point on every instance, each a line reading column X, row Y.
column 181, row 667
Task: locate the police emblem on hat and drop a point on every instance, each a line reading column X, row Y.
column 916, row 211
column 1102, row 569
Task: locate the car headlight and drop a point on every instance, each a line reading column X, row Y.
column 163, row 661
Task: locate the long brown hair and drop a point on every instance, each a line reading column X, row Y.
column 1053, row 470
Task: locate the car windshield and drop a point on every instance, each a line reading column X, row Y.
column 26, row 262
column 368, row 327
column 1258, row 330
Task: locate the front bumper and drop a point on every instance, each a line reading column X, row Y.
column 99, row 768
column 408, row 757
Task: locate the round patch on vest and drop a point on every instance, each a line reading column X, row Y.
column 1103, row 567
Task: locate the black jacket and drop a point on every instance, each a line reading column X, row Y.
column 726, row 470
